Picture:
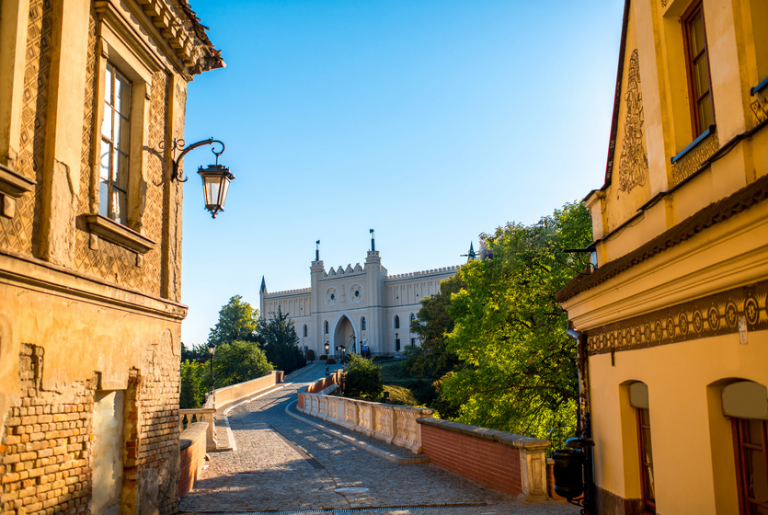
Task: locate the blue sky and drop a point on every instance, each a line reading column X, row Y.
column 430, row 121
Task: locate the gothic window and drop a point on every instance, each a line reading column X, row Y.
column 363, row 324
column 115, row 147
column 697, row 67
column 326, row 327
column 306, row 331
column 397, row 322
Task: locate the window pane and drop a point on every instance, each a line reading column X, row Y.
column 752, row 430
column 648, row 447
column 108, row 85
column 757, row 479
column 697, row 34
column 106, row 123
column 705, row 113
column 650, row 485
column 120, row 206
column 701, row 75
column 104, row 198
column 121, row 170
column 122, row 96
column 106, row 150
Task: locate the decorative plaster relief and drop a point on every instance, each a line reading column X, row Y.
column 701, row 318
column 693, row 160
column 633, row 165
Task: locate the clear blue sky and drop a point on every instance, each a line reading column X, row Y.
column 430, row 121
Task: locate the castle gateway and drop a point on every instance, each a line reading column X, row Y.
column 360, row 308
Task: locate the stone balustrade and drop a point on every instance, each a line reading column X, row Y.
column 390, row 423
column 201, row 415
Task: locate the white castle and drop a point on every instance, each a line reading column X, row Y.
column 360, row 308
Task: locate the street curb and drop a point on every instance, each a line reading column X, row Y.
column 357, row 443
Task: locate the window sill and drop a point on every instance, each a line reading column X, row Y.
column 763, row 83
column 704, row 135
column 14, row 184
column 118, row 234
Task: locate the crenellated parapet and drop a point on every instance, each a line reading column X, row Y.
column 434, row 271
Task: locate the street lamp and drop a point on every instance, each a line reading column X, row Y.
column 216, row 178
column 211, row 351
column 327, row 348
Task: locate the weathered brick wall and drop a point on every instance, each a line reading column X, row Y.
column 151, row 462
column 45, row 453
column 491, row 463
column 192, row 448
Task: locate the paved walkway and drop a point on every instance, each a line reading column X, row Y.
column 284, row 465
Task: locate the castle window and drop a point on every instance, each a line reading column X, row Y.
column 697, row 67
column 363, row 324
column 326, row 327
column 397, row 322
column 306, row 331
column 115, row 147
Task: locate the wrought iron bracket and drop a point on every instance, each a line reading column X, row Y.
column 178, row 144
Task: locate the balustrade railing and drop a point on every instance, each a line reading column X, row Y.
column 188, row 416
column 390, row 423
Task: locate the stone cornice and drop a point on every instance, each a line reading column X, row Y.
column 40, row 276
column 13, row 183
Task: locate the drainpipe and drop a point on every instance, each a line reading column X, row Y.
column 584, row 422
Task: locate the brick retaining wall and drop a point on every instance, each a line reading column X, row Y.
column 192, row 447
column 510, row 463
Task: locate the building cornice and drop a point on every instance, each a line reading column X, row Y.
column 43, row 277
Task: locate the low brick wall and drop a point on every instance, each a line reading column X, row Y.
column 507, row 462
column 192, row 451
column 322, row 384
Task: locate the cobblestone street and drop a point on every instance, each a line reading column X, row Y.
column 286, row 465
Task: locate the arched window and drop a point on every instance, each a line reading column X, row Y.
column 413, row 319
column 326, row 327
column 638, row 399
column 397, row 322
column 363, row 324
column 306, row 331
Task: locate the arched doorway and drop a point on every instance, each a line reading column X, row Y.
column 345, row 334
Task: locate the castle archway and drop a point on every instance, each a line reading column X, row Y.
column 344, row 334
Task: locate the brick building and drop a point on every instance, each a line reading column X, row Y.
column 92, row 99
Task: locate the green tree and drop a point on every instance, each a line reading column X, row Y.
column 281, row 343
column 362, row 378
column 194, row 383
column 197, row 352
column 237, row 321
column 239, row 361
column 432, row 324
column 519, row 366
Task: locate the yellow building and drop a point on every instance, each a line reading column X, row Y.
column 92, row 99
column 674, row 319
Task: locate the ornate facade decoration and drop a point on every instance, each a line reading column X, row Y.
column 702, row 318
column 633, row 165
column 693, row 160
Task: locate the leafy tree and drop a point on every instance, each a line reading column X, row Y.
column 237, row 321
column 519, row 366
column 197, row 353
column 362, row 378
column 239, row 361
column 432, row 323
column 194, row 383
column 281, row 343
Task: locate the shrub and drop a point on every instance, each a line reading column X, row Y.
column 331, row 361
column 310, row 355
column 323, row 357
column 362, row 378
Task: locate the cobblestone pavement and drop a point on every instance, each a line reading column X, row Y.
column 285, row 465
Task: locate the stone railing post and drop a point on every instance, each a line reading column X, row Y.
column 203, row 415
column 533, row 464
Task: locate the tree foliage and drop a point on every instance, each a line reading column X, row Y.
column 195, row 352
column 239, row 361
column 432, row 324
column 237, row 321
column 518, row 369
column 194, row 383
column 362, row 378
column 281, row 343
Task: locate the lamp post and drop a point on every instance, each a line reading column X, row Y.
column 212, row 351
column 327, row 348
column 216, row 178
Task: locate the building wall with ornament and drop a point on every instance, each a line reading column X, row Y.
column 672, row 325
column 93, row 97
column 360, row 307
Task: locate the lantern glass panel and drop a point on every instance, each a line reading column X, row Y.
column 224, row 190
